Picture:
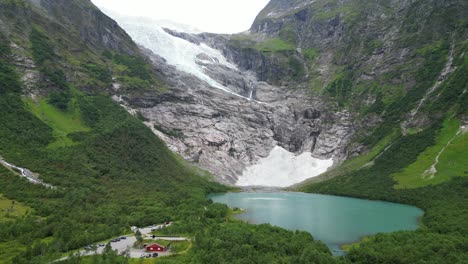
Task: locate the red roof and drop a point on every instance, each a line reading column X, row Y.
column 155, row 247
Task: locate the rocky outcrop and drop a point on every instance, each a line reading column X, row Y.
column 225, row 133
column 308, row 76
column 95, row 28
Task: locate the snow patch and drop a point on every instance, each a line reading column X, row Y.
column 271, row 14
column 282, row 168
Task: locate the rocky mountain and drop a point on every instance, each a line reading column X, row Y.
column 329, row 78
column 238, row 119
column 371, row 95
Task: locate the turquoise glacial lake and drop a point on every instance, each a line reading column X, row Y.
column 334, row 220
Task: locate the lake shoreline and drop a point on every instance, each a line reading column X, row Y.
column 337, row 221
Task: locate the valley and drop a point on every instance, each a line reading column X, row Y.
column 327, row 120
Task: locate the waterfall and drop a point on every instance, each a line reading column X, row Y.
column 431, row 172
column 25, row 173
column 446, row 71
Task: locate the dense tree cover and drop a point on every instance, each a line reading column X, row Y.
column 411, row 247
column 18, row 126
column 59, row 99
column 8, row 77
column 242, row 243
column 111, row 180
column 443, row 236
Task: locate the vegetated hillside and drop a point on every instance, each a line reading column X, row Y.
column 60, row 62
column 402, row 67
column 366, row 55
column 399, row 67
column 110, row 171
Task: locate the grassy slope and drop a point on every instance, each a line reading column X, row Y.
column 275, row 45
column 451, row 162
column 62, row 122
column 11, row 209
column 8, row 250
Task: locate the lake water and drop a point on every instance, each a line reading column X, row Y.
column 334, row 220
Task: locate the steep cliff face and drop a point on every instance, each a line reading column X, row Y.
column 361, row 51
column 226, row 134
column 224, row 117
column 329, row 78
column 92, row 26
column 380, row 59
column 85, row 48
column 397, row 65
column 333, row 78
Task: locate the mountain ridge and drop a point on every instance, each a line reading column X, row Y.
column 371, row 87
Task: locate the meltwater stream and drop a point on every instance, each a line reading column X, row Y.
column 334, row 220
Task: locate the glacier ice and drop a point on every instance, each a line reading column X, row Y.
column 282, row 169
column 176, row 51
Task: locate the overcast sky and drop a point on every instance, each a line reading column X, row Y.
column 217, row 16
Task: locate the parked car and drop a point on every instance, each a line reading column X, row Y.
column 123, row 237
column 155, row 255
column 101, row 245
column 115, row 240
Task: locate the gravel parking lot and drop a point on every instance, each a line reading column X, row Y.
column 125, row 246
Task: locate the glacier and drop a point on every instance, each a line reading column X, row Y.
column 282, row 169
column 178, row 52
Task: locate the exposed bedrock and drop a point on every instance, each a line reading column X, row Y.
column 225, row 133
column 231, row 125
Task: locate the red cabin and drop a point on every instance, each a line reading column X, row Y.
column 155, row 248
